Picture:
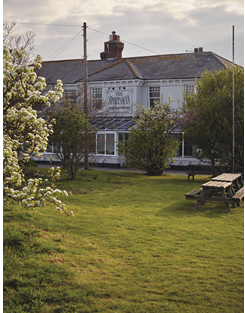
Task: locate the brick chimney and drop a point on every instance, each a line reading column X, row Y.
column 198, row 50
column 113, row 48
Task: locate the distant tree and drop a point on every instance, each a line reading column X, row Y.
column 151, row 144
column 24, row 134
column 207, row 117
column 19, row 42
column 72, row 132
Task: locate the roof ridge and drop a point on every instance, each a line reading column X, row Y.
column 65, row 60
column 122, row 59
column 134, row 69
column 103, row 69
column 222, row 60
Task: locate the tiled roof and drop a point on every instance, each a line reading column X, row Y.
column 172, row 66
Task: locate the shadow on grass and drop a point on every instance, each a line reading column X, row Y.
column 181, row 209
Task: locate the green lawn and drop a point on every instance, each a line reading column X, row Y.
column 134, row 245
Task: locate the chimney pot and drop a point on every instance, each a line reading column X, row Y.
column 200, row 49
column 112, row 48
column 195, row 50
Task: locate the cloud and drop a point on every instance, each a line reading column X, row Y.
column 48, row 9
column 162, row 26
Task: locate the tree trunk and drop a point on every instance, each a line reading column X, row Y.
column 86, row 162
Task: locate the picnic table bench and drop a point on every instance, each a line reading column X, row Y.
column 239, row 195
column 219, row 189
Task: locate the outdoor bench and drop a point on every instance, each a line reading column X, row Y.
column 193, row 193
column 193, row 173
column 239, row 195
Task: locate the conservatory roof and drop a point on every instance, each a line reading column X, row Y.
column 113, row 123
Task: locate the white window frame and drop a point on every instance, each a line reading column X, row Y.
column 189, row 89
column 96, row 95
column 154, row 89
column 114, row 143
column 71, row 93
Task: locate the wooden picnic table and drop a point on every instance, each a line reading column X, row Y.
column 235, row 179
column 218, row 191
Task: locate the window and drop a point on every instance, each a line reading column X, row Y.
column 189, row 89
column 92, row 145
column 122, row 137
column 56, row 149
column 101, row 143
column 71, row 94
column 178, row 137
column 105, row 144
column 154, row 95
column 188, row 150
column 97, row 97
column 49, row 148
column 110, row 144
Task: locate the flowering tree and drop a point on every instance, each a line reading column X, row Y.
column 24, row 134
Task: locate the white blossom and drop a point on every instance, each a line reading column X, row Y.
column 24, row 132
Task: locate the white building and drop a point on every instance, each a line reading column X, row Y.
column 120, row 82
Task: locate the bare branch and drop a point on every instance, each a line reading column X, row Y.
column 7, row 29
column 19, row 42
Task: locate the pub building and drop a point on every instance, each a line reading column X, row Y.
column 116, row 83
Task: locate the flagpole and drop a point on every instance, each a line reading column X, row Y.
column 233, row 105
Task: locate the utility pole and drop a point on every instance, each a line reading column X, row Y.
column 85, row 87
column 233, row 106
column 85, row 69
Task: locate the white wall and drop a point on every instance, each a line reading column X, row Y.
column 139, row 90
column 176, row 93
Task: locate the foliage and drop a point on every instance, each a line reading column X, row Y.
column 72, row 132
column 207, row 117
column 30, row 163
column 151, row 144
column 23, row 133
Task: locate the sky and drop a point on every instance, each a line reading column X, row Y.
column 147, row 27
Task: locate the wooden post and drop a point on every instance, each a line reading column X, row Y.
column 85, row 98
column 85, row 69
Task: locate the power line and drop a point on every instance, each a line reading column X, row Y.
column 64, row 25
column 97, row 31
column 140, row 47
column 65, row 46
column 126, row 42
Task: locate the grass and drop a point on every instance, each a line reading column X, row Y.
column 134, row 245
